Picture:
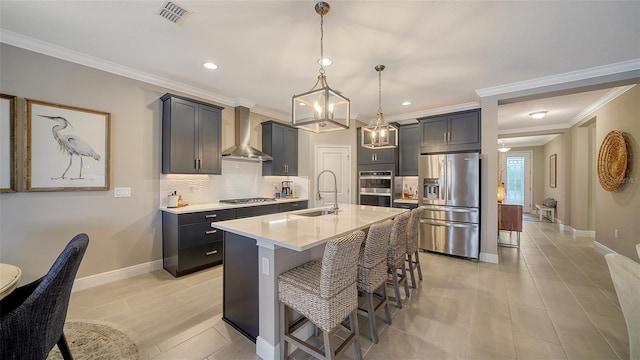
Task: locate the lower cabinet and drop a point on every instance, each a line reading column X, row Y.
column 291, row 206
column 190, row 242
column 404, row 205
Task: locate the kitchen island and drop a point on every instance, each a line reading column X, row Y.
column 258, row 249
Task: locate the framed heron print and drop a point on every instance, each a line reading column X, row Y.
column 67, row 148
column 7, row 143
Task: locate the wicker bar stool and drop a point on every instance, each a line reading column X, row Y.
column 413, row 258
column 325, row 293
column 372, row 274
column 396, row 256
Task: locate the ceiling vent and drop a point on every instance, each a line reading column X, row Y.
column 172, row 11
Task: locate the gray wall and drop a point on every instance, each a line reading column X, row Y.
column 619, row 209
column 35, row 226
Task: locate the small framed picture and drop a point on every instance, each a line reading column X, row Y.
column 8, row 167
column 67, row 148
column 553, row 167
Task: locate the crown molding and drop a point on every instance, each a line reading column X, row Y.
column 29, row 43
column 608, row 97
column 577, row 75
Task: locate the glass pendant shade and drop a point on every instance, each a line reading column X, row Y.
column 321, row 109
column 379, row 134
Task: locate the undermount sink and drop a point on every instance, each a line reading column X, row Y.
column 316, row 212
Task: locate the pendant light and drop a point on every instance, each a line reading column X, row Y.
column 321, row 109
column 379, row 134
column 503, row 149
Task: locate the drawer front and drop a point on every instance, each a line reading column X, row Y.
column 198, row 234
column 298, row 205
column 198, row 256
column 257, row 210
column 217, row 215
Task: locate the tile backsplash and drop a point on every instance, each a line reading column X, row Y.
column 239, row 179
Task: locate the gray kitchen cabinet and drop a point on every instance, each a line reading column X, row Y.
column 190, row 243
column 450, row 133
column 249, row 211
column 191, row 136
column 291, row 206
column 281, row 142
column 409, row 149
column 404, row 205
column 368, row 156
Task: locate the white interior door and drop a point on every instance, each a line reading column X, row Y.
column 337, row 159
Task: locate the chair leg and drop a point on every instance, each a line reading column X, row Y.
column 387, row 314
column 371, row 314
column 418, row 266
column 329, row 351
column 396, row 288
column 64, row 348
column 413, row 277
column 284, row 324
column 404, row 280
column 353, row 319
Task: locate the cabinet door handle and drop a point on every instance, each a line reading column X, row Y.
column 444, row 137
column 211, row 252
column 449, row 136
column 294, row 205
column 373, row 157
column 211, row 216
column 195, row 163
column 210, row 232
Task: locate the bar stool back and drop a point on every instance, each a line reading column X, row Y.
column 413, row 259
column 372, row 274
column 325, row 293
column 396, row 256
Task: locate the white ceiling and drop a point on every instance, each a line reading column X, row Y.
column 437, row 53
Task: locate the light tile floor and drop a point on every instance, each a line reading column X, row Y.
column 551, row 299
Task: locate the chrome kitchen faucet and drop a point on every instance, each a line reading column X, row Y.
column 335, row 189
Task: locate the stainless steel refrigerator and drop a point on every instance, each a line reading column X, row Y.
column 449, row 199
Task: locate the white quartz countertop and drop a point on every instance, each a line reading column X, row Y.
column 298, row 232
column 221, row 206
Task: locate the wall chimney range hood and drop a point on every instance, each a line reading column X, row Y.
column 242, row 150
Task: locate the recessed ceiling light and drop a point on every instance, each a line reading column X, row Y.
column 538, row 114
column 210, row 65
column 325, row 62
column 406, row 103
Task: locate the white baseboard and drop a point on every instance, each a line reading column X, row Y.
column 264, row 349
column 119, row 274
column 490, row 258
column 602, row 248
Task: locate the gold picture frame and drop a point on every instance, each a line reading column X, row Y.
column 67, row 148
column 553, row 168
column 8, row 119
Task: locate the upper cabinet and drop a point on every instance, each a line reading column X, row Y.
column 191, row 136
column 281, row 142
column 368, row 156
column 448, row 133
column 409, row 147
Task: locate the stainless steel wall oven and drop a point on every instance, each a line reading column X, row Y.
column 375, row 187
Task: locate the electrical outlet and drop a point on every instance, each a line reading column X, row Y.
column 121, row 192
column 265, row 266
column 616, row 233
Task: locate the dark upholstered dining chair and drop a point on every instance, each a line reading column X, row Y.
column 32, row 317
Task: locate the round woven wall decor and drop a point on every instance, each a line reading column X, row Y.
column 612, row 161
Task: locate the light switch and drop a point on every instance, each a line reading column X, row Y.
column 265, row 266
column 120, row 192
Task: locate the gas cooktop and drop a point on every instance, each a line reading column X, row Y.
column 247, row 200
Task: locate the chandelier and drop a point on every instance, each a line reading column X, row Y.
column 321, row 109
column 379, row 134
